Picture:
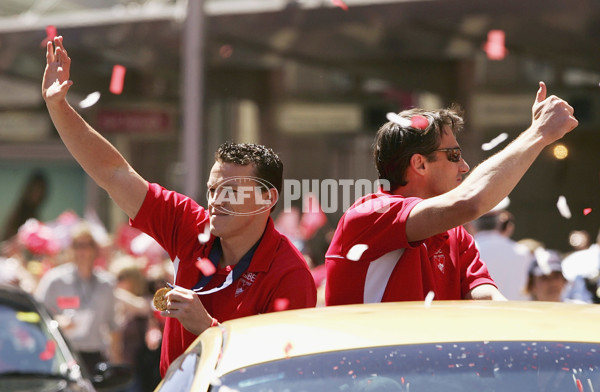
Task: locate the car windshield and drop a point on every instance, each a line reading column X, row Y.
column 466, row 366
column 26, row 345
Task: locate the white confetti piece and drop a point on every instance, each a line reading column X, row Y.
column 90, row 100
column 204, row 237
column 429, row 298
column 356, row 252
column 494, row 142
column 395, row 118
column 563, row 207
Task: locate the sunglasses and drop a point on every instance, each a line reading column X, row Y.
column 453, row 154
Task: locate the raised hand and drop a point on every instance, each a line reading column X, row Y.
column 552, row 116
column 56, row 83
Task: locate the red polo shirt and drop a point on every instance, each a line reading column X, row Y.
column 277, row 269
column 391, row 268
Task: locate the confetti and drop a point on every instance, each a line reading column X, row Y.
column 395, row 118
column 494, row 47
column 419, row 122
column 287, row 349
column 563, row 208
column 587, row 211
column 494, row 142
column 50, row 34
column 429, row 298
column 341, row 4
column 90, row 100
column 281, row 304
column 205, row 266
column 117, row 79
column 356, row 252
column 205, row 236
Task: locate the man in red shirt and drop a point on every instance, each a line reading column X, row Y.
column 229, row 260
column 401, row 244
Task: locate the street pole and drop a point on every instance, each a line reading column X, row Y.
column 193, row 97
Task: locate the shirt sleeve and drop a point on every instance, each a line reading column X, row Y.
column 172, row 219
column 378, row 222
column 474, row 272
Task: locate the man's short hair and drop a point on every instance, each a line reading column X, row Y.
column 395, row 145
column 267, row 164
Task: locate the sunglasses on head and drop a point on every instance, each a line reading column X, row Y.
column 453, row 154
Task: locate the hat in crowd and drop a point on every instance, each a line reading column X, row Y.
column 545, row 262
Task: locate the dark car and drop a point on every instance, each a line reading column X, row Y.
column 35, row 356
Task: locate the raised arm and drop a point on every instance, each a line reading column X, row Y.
column 496, row 177
column 101, row 160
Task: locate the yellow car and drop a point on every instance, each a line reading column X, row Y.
column 409, row 346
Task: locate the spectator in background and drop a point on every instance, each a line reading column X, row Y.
column 545, row 280
column 507, row 261
column 582, row 270
column 28, row 204
column 136, row 319
column 81, row 298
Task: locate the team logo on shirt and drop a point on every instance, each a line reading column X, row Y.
column 244, row 282
column 439, row 259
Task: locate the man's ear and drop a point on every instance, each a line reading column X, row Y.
column 417, row 163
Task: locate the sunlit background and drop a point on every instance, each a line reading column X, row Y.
column 167, row 82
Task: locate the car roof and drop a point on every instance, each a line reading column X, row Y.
column 267, row 337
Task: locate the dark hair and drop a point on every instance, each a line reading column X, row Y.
column 395, row 145
column 266, row 163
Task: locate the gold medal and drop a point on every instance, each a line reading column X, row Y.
column 159, row 300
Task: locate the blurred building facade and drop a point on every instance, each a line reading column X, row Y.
column 308, row 78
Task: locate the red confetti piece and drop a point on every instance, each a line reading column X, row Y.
column 287, row 349
column 340, row 3
column 281, row 304
column 586, row 211
column 117, row 79
column 494, row 47
column 419, row 122
column 50, row 34
column 49, row 351
column 205, row 266
column 579, row 385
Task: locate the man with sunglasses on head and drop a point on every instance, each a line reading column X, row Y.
column 405, row 241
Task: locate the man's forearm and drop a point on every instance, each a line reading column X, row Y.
column 100, row 159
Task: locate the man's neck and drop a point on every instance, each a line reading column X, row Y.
column 235, row 248
column 408, row 191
